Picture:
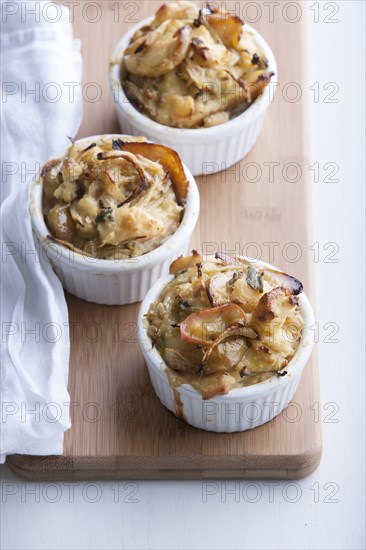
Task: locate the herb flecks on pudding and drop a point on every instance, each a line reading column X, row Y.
column 114, row 199
column 193, row 68
column 223, row 323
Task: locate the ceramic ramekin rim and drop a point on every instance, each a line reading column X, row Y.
column 294, row 368
column 58, row 252
column 184, row 135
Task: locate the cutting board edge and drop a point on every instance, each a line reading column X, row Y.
column 28, row 467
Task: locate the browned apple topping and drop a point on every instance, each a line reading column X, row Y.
column 193, row 68
column 226, row 325
column 205, row 326
column 168, row 158
column 113, row 199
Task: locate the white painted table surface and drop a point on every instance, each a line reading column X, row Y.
column 325, row 510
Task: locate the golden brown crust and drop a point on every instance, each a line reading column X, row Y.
column 162, row 50
column 269, row 304
column 193, row 67
column 229, row 27
column 250, row 336
column 185, row 262
column 110, row 203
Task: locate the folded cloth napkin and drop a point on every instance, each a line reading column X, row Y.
column 41, row 105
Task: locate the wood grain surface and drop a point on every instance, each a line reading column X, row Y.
column 261, row 207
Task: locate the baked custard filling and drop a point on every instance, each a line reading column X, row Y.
column 193, row 68
column 223, row 323
column 114, row 199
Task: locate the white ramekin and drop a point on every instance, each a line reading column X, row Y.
column 203, row 150
column 112, row 282
column 243, row 408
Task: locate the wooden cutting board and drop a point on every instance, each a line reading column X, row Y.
column 120, row 429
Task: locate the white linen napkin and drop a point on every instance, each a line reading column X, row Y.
column 41, row 105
